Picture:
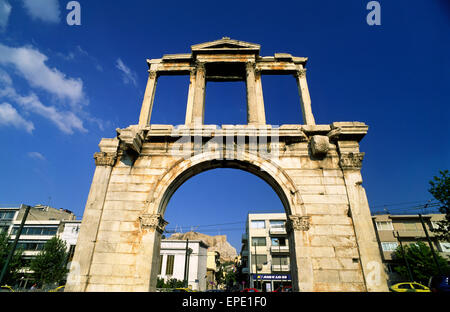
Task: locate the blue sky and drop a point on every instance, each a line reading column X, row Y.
column 63, row 88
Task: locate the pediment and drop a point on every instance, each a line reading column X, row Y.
column 226, row 45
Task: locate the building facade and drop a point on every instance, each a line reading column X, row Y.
column 391, row 230
column 173, row 262
column 265, row 251
column 42, row 224
column 212, row 267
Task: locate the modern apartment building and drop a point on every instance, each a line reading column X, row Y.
column 391, row 230
column 41, row 224
column 265, row 251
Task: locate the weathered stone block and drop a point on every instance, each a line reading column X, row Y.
column 326, row 276
column 320, row 145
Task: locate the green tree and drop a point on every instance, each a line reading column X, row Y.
column 440, row 189
column 170, row 283
column 49, row 266
column 219, row 275
column 420, row 260
column 16, row 263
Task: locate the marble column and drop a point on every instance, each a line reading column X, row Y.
column 190, row 101
column 259, row 98
column 198, row 108
column 305, row 99
column 149, row 96
column 252, row 106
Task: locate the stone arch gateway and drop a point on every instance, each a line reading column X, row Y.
column 314, row 169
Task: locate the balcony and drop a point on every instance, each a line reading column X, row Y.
column 244, row 253
column 413, row 233
column 244, row 238
column 277, row 231
column 245, row 270
column 280, row 268
column 279, row 249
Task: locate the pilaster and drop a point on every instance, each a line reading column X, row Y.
column 369, row 254
column 78, row 278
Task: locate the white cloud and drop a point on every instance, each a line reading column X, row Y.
column 36, row 155
column 44, row 10
column 66, row 110
column 66, row 121
column 128, row 76
column 5, row 11
column 30, row 63
column 10, row 117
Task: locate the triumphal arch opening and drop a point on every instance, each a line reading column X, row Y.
column 314, row 169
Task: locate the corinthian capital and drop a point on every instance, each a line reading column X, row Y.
column 300, row 73
column 152, row 74
column 105, row 159
column 351, row 160
column 298, row 223
column 153, row 222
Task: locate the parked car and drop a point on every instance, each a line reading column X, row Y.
column 182, row 290
column 58, row 289
column 250, row 290
column 439, row 283
column 409, row 287
column 283, row 289
column 6, row 288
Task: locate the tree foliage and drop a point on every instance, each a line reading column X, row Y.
column 16, row 263
column 440, row 189
column 170, row 283
column 49, row 266
column 421, row 262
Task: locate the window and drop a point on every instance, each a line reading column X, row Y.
column 280, row 260
column 260, row 259
column 384, row 225
column 445, row 247
column 410, row 226
column 160, row 264
column 280, row 241
column 404, row 286
column 258, row 224
column 258, row 241
column 31, row 246
column 389, row 246
column 277, row 224
column 71, row 252
column 75, row 229
column 4, row 228
column 418, row 286
column 7, row 215
column 169, row 264
column 33, row 230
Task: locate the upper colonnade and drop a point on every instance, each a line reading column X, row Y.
column 226, row 60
